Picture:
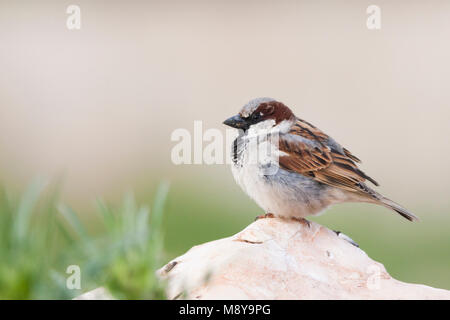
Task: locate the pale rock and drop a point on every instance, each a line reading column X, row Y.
column 285, row 259
column 96, row 294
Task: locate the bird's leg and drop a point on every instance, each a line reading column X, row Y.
column 302, row 221
column 346, row 238
column 263, row 216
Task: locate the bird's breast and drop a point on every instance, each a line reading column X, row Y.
column 276, row 190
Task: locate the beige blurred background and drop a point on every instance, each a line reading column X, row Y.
column 96, row 107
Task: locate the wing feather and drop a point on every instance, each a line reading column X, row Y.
column 310, row 152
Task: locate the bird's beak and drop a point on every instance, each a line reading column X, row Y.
column 236, row 122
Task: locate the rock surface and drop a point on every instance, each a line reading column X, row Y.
column 285, row 259
column 96, row 294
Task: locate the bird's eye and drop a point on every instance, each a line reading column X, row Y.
column 257, row 115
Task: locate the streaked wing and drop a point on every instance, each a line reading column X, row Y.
column 310, row 152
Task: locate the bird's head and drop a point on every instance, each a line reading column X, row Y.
column 264, row 113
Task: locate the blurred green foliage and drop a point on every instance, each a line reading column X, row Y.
column 37, row 246
column 26, row 248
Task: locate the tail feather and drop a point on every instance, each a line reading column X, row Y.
column 388, row 203
column 372, row 196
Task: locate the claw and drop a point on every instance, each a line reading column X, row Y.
column 263, row 216
column 346, row 238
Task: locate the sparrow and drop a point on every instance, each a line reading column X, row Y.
column 307, row 170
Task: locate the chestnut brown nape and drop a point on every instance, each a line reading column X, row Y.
column 274, row 110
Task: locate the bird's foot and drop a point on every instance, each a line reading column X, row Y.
column 302, row 221
column 263, row 216
column 346, row 238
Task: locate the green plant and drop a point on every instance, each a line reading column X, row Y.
column 27, row 247
column 125, row 257
column 36, row 247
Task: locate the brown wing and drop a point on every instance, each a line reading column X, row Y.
column 312, row 153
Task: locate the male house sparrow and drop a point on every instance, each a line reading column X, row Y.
column 312, row 171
